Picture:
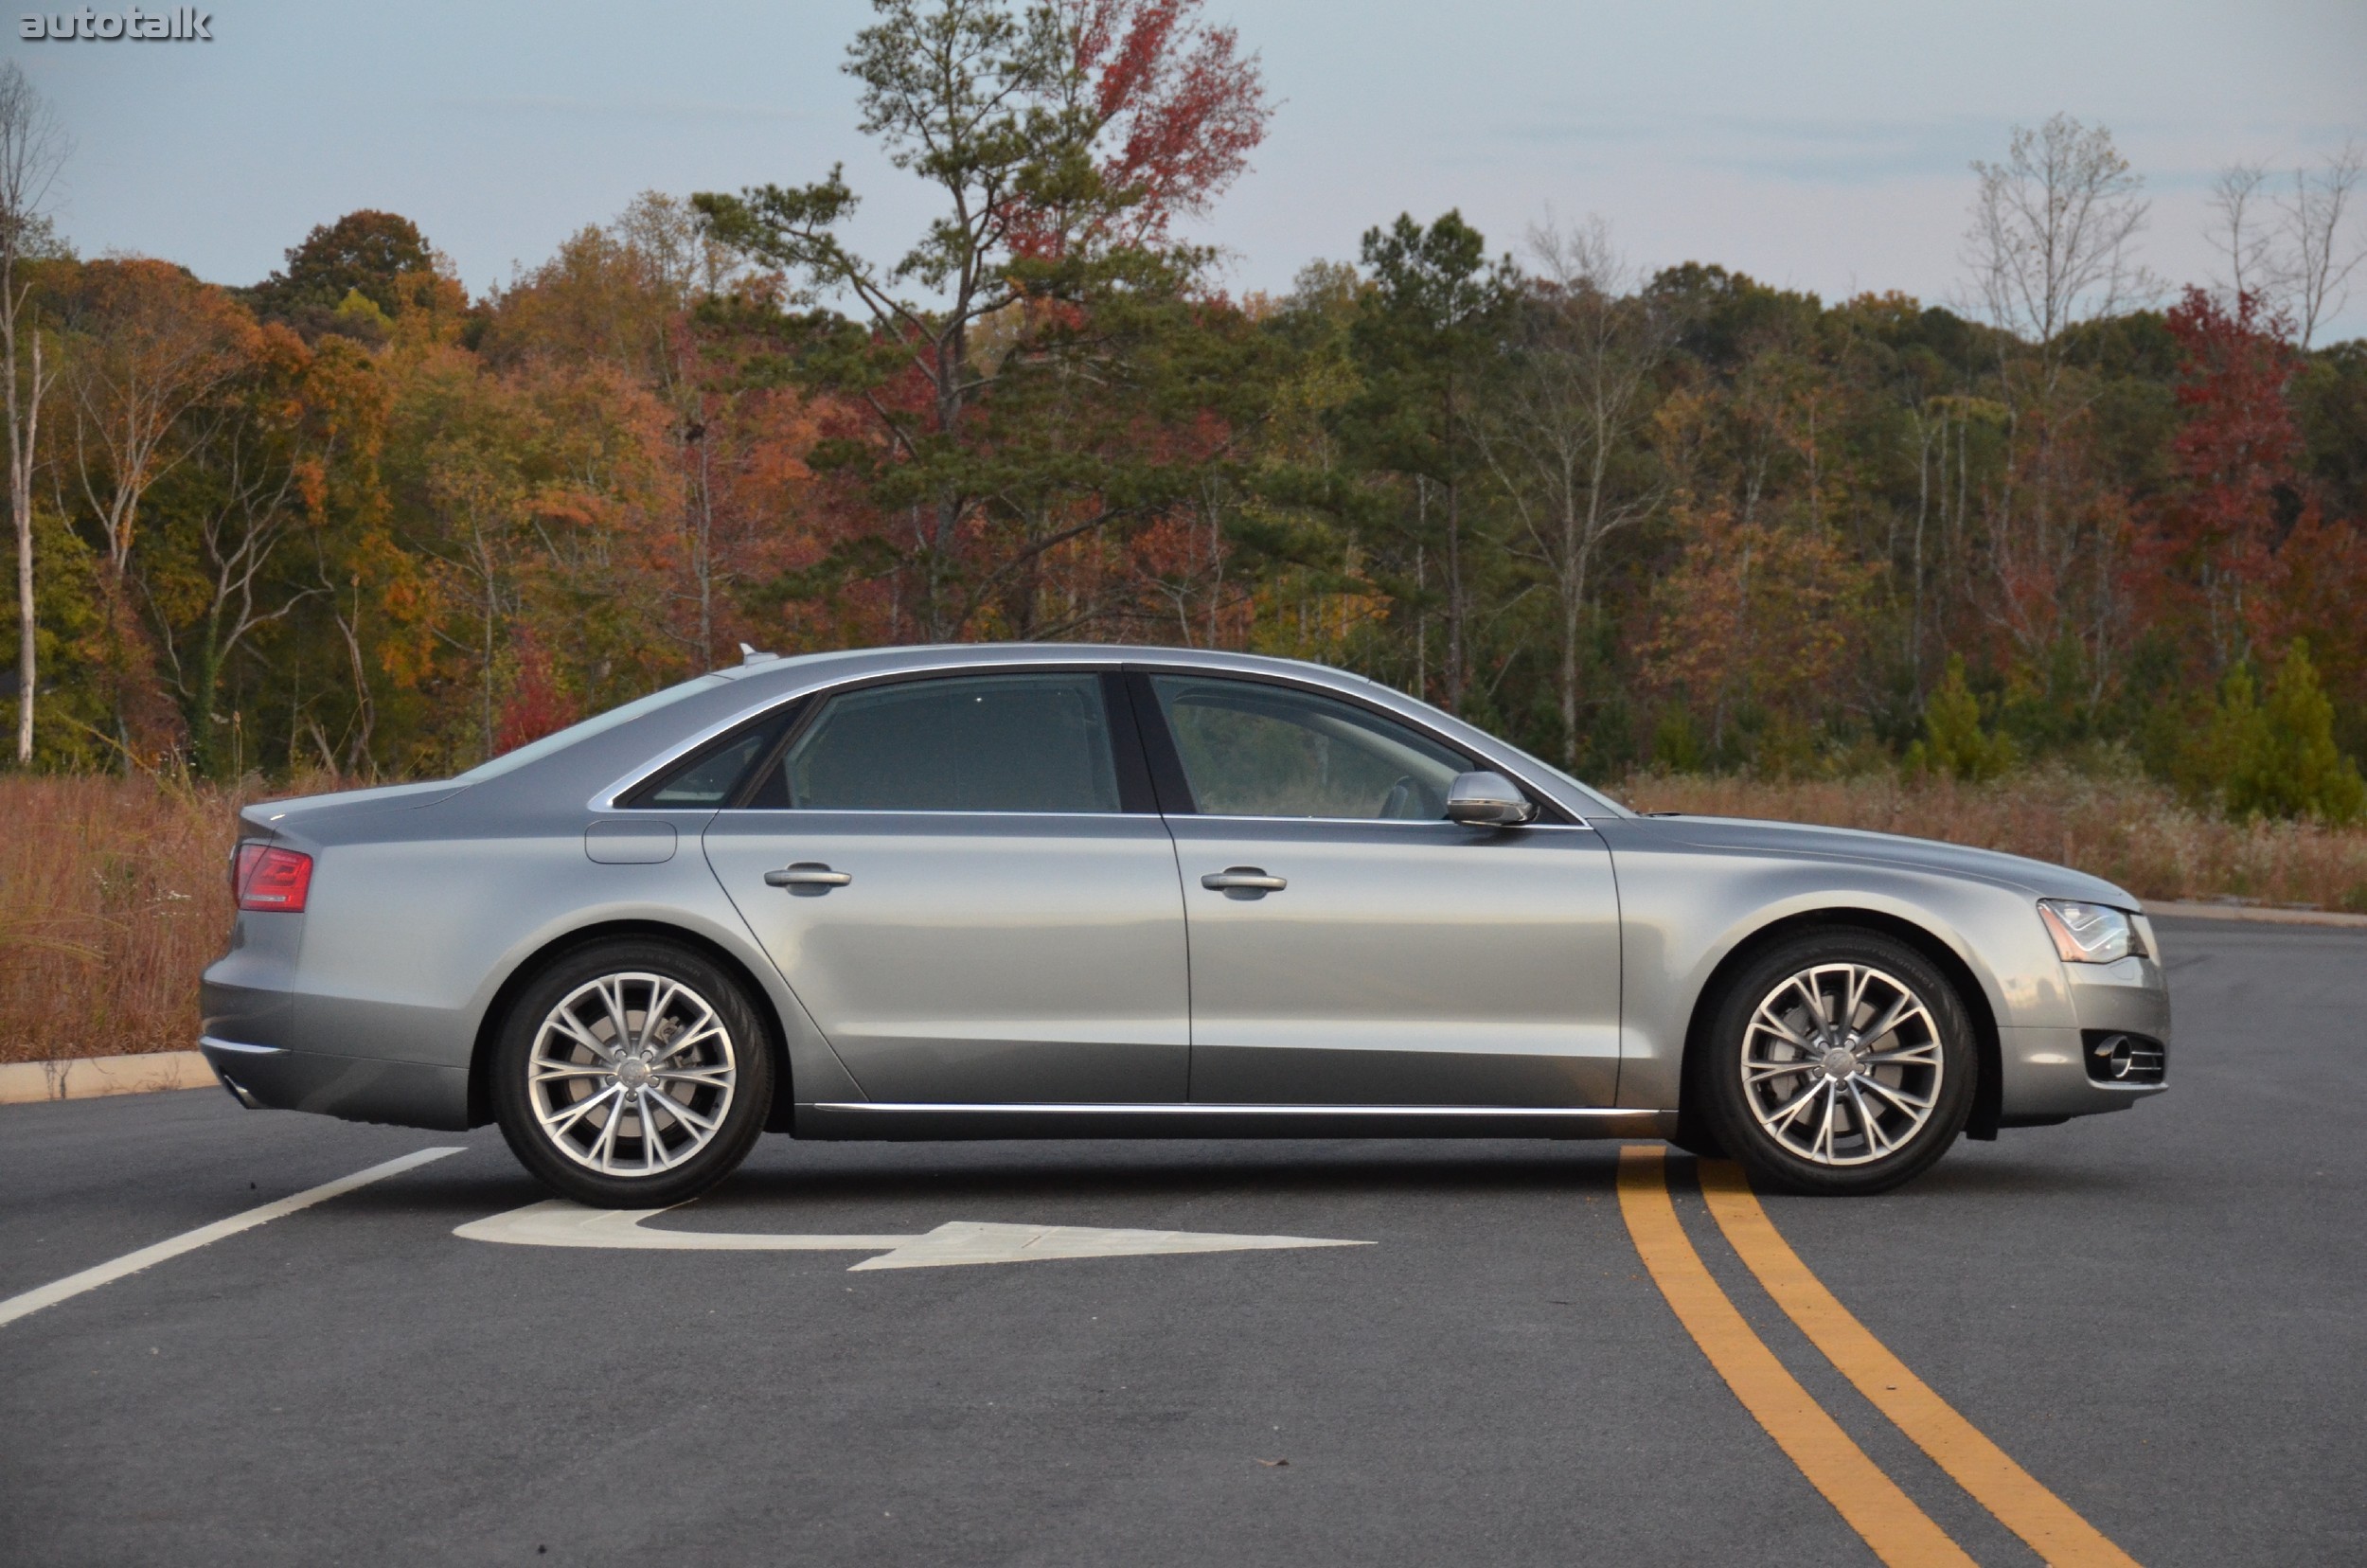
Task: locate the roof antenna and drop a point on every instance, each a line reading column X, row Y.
column 749, row 655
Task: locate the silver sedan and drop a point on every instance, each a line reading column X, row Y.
column 1027, row 891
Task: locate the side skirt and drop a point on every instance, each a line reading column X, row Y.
column 845, row 1119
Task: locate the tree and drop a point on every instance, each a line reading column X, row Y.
column 1023, row 275
column 2234, row 496
column 2278, row 759
column 369, row 253
column 1421, row 342
column 1561, row 439
column 150, row 343
column 2320, row 254
column 32, row 149
column 293, row 439
column 2053, row 229
column 1174, row 104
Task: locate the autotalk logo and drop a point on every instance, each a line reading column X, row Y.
column 182, row 24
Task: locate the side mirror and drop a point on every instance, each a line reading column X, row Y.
column 1488, row 800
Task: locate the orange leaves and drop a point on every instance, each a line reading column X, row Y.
column 1757, row 613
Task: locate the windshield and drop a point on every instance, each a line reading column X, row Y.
column 534, row 751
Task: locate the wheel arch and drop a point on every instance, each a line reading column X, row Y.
column 523, row 974
column 1988, row 1088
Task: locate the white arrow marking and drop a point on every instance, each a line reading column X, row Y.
column 559, row 1223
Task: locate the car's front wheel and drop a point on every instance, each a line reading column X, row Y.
column 1838, row 1062
column 631, row 1075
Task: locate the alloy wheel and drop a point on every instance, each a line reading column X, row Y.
column 1841, row 1065
column 632, row 1074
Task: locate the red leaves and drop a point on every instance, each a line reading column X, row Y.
column 2237, row 493
column 1180, row 110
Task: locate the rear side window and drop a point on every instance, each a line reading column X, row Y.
column 1035, row 742
column 711, row 776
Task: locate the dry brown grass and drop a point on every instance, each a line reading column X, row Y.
column 113, row 893
column 2129, row 830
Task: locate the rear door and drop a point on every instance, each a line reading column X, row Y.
column 1351, row 947
column 965, row 880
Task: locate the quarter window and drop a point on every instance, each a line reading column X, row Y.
column 1037, row 742
column 1249, row 749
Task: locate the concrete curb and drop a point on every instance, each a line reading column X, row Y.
column 2256, row 912
column 86, row 1077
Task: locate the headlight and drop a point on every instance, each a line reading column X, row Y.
column 2090, row 933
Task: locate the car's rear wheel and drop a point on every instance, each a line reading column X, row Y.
column 1838, row 1062
column 631, row 1075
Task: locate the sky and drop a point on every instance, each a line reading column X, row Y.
column 1814, row 144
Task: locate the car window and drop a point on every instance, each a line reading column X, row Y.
column 709, row 777
column 967, row 743
column 1250, row 749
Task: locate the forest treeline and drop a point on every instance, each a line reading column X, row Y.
column 353, row 518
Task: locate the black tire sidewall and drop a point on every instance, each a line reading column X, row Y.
column 752, row 1091
column 1714, row 1083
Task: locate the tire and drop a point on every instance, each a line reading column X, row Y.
column 676, row 1111
column 1787, row 1084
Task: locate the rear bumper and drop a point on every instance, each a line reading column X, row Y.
column 403, row 1094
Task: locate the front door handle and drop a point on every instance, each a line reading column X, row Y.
column 1251, row 880
column 808, row 874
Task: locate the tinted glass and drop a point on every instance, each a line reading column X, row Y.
column 1254, row 750
column 709, row 780
column 969, row 743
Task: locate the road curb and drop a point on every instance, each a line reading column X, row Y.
column 2256, row 912
column 87, row 1078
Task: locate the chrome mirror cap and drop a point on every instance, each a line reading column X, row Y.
column 1488, row 800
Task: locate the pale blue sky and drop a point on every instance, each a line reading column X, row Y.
column 1820, row 144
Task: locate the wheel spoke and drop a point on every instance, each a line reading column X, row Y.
column 551, row 1072
column 697, row 1123
column 566, row 1023
column 1769, row 1021
column 1806, row 986
column 717, row 1077
column 1900, row 1006
column 709, row 1027
column 660, row 994
column 566, row 1123
column 1868, row 1123
column 1913, row 1105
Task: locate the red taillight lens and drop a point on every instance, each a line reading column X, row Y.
column 273, row 878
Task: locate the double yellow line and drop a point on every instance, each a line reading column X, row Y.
column 1899, row 1532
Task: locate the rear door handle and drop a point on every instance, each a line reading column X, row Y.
column 1243, row 879
column 808, row 874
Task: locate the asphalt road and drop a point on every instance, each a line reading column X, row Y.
column 2160, row 1314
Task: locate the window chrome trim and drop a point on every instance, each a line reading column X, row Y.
column 1125, row 658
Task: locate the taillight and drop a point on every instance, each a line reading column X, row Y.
column 269, row 877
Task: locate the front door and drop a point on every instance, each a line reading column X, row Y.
column 1351, row 947
column 947, row 875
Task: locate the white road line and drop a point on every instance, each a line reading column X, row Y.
column 558, row 1223
column 130, row 1263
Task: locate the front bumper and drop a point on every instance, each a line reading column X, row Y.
column 2047, row 1077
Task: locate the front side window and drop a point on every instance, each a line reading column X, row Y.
column 965, row 743
column 1250, row 749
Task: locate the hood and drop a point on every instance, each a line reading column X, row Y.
column 1803, row 841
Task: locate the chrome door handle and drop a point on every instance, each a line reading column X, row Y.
column 1243, row 879
column 808, row 874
